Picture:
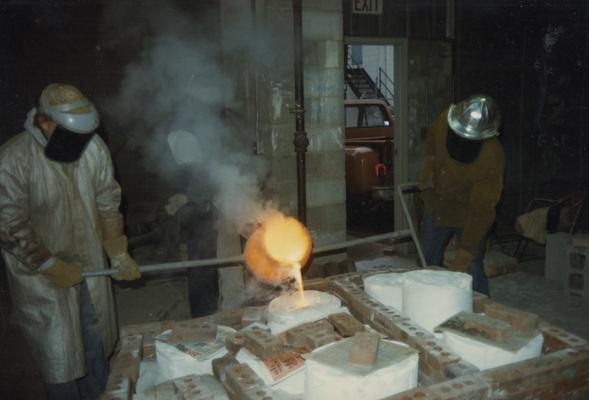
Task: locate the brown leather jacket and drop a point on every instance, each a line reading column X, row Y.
column 461, row 195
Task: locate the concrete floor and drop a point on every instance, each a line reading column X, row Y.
column 166, row 298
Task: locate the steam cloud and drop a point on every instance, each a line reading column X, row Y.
column 177, row 82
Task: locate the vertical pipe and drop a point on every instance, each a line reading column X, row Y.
column 301, row 142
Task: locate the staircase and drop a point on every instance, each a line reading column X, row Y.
column 364, row 87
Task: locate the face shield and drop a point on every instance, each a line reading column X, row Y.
column 76, row 122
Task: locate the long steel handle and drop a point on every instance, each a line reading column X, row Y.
column 401, row 190
column 228, row 261
column 220, row 262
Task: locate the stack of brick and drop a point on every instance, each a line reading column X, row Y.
column 345, row 324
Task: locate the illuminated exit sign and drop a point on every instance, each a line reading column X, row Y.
column 373, row 7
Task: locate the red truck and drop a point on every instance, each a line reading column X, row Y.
column 369, row 161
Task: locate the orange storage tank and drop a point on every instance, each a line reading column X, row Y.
column 360, row 163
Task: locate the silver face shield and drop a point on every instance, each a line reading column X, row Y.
column 476, row 118
column 61, row 114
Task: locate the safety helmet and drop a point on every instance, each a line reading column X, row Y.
column 476, row 118
column 68, row 108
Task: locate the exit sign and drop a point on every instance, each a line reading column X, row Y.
column 367, row 7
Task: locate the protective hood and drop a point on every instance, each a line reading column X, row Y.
column 33, row 130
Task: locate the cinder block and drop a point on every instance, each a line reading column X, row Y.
column 263, row 344
column 364, row 348
column 345, row 324
column 220, row 366
column 520, row 321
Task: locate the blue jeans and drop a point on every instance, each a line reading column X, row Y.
column 91, row 385
column 435, row 239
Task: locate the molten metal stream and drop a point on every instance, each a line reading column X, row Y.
column 296, row 271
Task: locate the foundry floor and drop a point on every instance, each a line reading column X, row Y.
column 166, row 298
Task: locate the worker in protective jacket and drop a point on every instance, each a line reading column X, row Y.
column 462, row 180
column 59, row 213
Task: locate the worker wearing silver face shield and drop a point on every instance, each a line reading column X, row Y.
column 59, row 214
column 462, row 180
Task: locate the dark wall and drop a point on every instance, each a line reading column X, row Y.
column 533, row 57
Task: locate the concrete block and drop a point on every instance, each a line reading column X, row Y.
column 326, row 165
column 326, row 25
column 556, row 261
column 345, row 324
column 263, row 344
column 520, row 321
column 322, row 82
column 364, row 348
column 323, row 54
column 325, row 111
column 326, row 138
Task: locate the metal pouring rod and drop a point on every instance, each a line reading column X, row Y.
column 219, row 262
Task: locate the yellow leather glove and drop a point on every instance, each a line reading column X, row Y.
column 62, row 274
column 461, row 262
column 116, row 249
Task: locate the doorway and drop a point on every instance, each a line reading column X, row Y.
column 375, row 124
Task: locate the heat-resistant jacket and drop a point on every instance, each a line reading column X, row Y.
column 62, row 206
column 461, row 195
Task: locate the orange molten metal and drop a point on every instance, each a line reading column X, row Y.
column 277, row 249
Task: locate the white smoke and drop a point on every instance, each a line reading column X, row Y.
column 177, row 82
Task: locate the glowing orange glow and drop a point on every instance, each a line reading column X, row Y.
column 286, row 239
column 276, row 251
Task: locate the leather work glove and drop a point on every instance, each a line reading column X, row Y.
column 116, row 249
column 461, row 262
column 62, row 274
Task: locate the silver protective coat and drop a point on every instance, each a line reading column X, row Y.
column 60, row 205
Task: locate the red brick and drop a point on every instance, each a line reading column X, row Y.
column 241, row 378
column 557, row 339
column 296, row 337
column 193, row 330
column 520, row 321
column 317, row 339
column 345, row 324
column 235, row 341
column 464, row 388
column 221, row 364
column 487, row 327
column 260, row 393
column 479, row 301
column 414, row 394
column 364, row 348
column 263, row 344
column 191, row 388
